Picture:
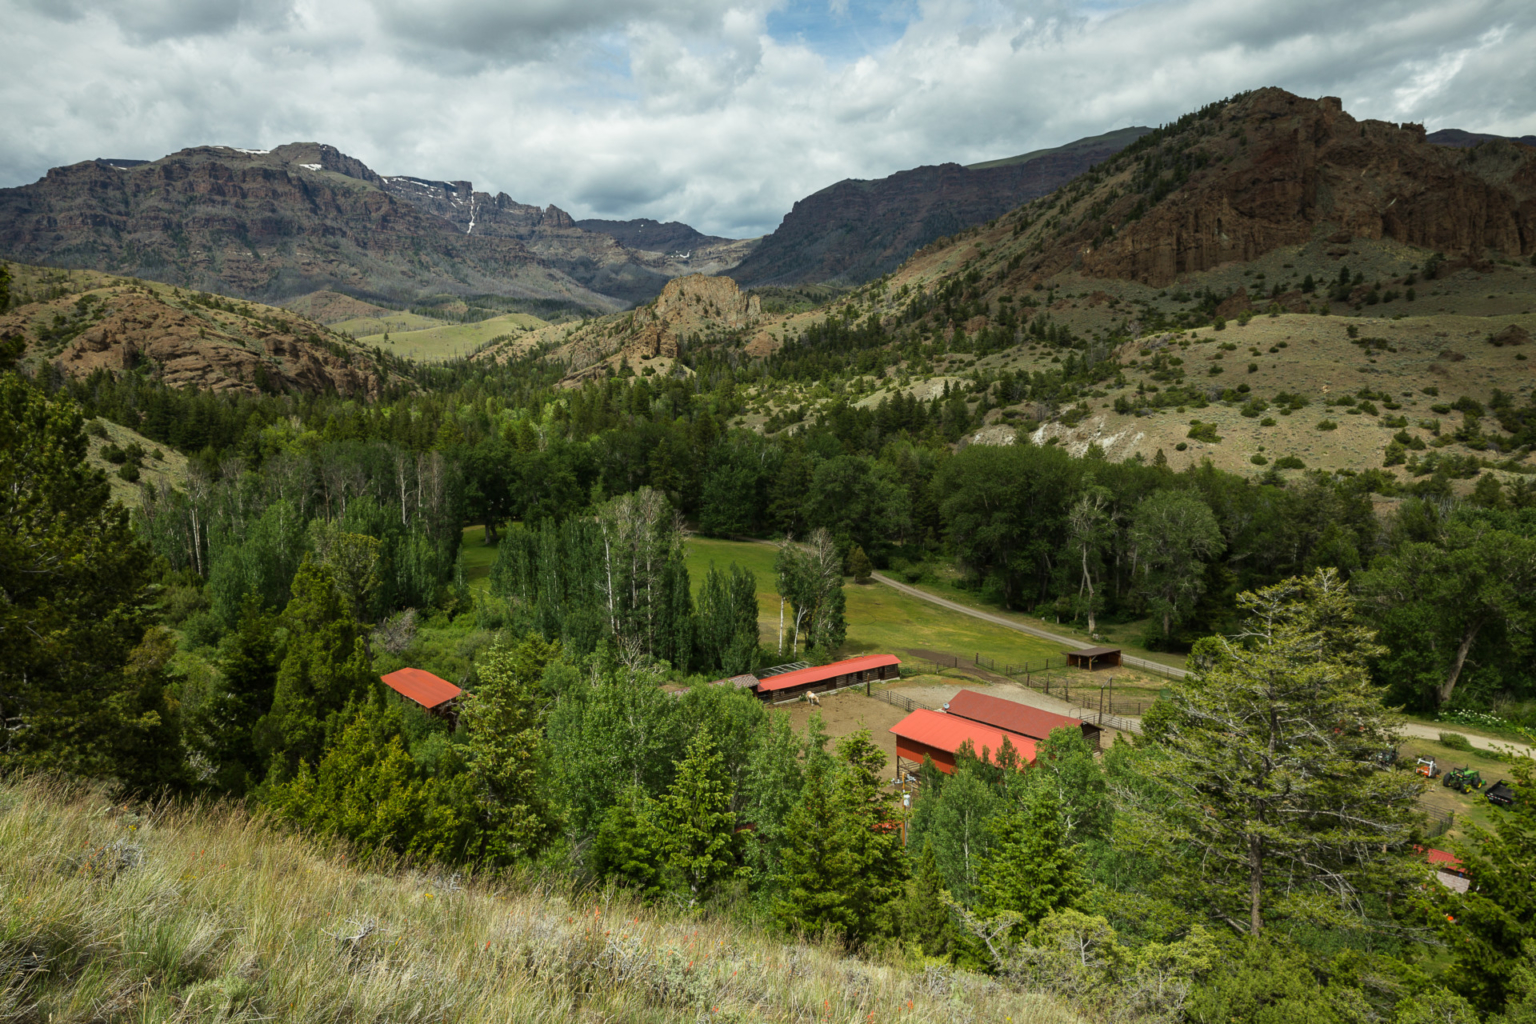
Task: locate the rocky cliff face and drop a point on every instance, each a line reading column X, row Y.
column 268, row 225
column 652, row 336
column 1271, row 169
column 856, row 230
column 653, row 236
column 230, row 347
column 607, row 261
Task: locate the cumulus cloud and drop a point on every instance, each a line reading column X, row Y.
column 720, row 113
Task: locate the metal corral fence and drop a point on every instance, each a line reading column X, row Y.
column 1113, row 714
column 1050, row 664
column 1053, row 678
column 901, row 700
column 1440, row 823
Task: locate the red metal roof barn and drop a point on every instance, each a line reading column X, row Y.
column 865, row 669
column 422, row 687
column 929, row 733
column 1012, row 716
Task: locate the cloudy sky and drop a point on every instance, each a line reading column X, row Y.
column 720, row 113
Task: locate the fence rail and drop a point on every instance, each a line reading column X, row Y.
column 1440, row 823
column 1051, row 677
column 901, row 700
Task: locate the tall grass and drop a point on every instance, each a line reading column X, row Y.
column 114, row 912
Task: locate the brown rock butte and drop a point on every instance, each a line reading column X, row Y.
column 1280, row 169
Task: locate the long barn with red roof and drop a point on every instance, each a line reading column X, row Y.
column 819, row 678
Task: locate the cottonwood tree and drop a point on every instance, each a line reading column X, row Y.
column 1173, row 534
column 810, row 580
column 1278, row 803
column 1435, row 600
column 1089, row 523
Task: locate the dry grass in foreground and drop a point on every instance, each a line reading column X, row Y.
column 114, row 913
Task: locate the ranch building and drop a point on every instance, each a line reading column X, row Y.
column 433, row 693
column 1011, row 716
column 926, row 733
column 821, row 678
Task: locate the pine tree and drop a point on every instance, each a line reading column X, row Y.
column 73, row 578
column 694, row 823
column 1270, row 763
column 925, row 917
column 506, row 748
column 223, row 731
column 858, row 565
column 325, row 668
column 624, row 848
column 1028, row 870
column 844, row 868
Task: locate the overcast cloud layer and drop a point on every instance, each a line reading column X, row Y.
column 720, row 113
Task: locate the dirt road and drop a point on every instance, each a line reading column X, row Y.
column 1432, row 732
column 998, row 620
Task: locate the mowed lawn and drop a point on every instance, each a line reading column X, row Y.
column 879, row 619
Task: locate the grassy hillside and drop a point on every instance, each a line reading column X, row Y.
column 116, row 912
column 427, row 339
column 158, row 465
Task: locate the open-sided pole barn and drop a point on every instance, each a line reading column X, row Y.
column 821, row 678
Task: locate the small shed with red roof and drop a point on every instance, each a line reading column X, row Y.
column 431, row 692
column 926, row 733
column 1011, row 716
column 820, row 678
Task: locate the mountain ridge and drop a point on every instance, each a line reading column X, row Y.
column 856, row 230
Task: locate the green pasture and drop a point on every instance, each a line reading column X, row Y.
column 444, row 341
column 476, row 558
column 879, row 618
column 1123, row 635
column 365, row 326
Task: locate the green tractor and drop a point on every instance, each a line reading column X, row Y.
column 1464, row 780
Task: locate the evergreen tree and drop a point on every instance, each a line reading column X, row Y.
column 925, row 919
column 506, row 760
column 625, row 846
column 843, row 868
column 858, row 565
column 325, row 667
column 369, row 790
column 693, row 820
column 73, row 579
column 1270, row 761
column 1027, row 871
column 224, row 729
